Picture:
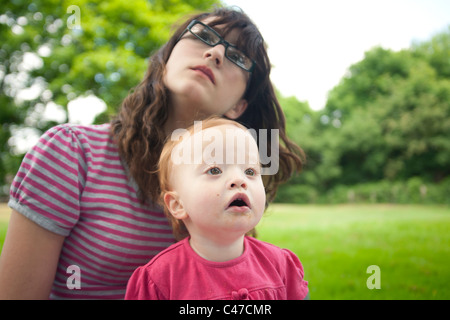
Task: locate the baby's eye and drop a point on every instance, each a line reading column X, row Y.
column 250, row 172
column 214, row 171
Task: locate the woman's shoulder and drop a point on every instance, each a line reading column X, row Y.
column 99, row 131
column 94, row 140
column 68, row 133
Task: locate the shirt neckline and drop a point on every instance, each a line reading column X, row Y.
column 216, row 264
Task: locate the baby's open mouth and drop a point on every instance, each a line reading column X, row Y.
column 239, row 200
column 238, row 203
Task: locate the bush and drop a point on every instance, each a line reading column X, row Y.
column 414, row 191
column 297, row 194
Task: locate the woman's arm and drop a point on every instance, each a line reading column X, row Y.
column 28, row 260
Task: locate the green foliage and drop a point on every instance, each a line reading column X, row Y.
column 395, row 117
column 414, row 190
column 436, row 52
column 102, row 49
column 386, row 123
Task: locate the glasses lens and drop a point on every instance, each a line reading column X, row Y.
column 239, row 58
column 205, row 34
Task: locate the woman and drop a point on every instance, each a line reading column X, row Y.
column 83, row 215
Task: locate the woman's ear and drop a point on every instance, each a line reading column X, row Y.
column 237, row 110
column 175, row 205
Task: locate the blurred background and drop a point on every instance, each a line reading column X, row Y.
column 365, row 86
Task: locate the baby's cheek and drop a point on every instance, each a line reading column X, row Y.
column 260, row 199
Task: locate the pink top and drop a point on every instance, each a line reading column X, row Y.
column 262, row 272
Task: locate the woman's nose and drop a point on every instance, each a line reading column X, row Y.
column 216, row 53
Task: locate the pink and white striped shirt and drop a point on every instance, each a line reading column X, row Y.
column 74, row 183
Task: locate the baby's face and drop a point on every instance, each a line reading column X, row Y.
column 223, row 194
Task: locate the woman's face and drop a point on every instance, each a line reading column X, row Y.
column 202, row 81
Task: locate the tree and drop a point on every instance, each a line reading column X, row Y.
column 389, row 116
column 387, row 121
column 415, row 120
column 55, row 51
column 436, row 52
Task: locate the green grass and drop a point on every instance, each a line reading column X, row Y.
column 4, row 218
column 336, row 244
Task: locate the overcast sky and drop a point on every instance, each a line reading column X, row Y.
column 312, row 43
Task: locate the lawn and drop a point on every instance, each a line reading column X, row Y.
column 4, row 218
column 336, row 244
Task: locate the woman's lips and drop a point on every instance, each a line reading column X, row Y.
column 206, row 71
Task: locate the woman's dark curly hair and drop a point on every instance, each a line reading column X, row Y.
column 138, row 129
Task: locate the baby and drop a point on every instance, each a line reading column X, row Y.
column 213, row 193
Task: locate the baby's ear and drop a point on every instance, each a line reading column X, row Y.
column 175, row 205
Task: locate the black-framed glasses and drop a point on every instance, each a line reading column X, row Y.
column 210, row 37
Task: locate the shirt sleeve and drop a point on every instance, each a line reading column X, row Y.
column 48, row 185
column 296, row 286
column 141, row 287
